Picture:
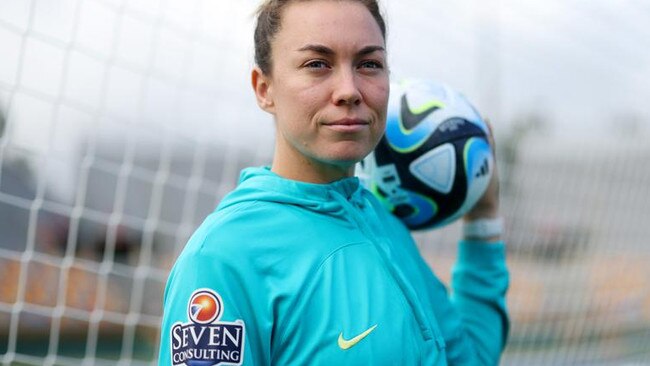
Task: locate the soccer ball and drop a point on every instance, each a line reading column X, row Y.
column 434, row 162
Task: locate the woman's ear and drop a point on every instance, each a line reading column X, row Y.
column 263, row 91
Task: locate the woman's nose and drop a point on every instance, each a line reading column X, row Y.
column 346, row 89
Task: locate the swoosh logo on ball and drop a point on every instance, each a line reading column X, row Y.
column 409, row 132
column 410, row 119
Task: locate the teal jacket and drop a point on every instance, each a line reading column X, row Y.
column 293, row 273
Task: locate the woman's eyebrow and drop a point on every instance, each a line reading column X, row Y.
column 370, row 49
column 324, row 50
column 318, row 48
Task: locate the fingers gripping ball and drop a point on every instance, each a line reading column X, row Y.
column 434, row 161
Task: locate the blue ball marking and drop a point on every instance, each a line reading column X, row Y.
column 424, row 210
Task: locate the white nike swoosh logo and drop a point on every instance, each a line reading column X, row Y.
column 346, row 344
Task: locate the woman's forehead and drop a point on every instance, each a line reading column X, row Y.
column 328, row 23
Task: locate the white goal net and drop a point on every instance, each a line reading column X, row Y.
column 123, row 123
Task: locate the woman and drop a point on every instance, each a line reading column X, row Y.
column 302, row 266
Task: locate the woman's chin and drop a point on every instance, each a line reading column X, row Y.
column 344, row 161
column 347, row 153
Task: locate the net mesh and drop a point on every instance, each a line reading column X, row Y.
column 123, row 123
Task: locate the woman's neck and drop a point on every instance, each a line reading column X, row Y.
column 292, row 164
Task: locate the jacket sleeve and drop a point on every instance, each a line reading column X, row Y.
column 479, row 285
column 231, row 331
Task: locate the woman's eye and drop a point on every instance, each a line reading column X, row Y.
column 370, row 64
column 316, row 64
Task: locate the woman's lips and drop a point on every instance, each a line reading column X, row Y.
column 348, row 125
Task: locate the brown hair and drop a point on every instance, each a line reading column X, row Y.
column 269, row 17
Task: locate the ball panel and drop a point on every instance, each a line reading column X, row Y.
column 452, row 129
column 436, row 168
column 479, row 163
column 423, row 209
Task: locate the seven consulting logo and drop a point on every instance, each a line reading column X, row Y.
column 204, row 341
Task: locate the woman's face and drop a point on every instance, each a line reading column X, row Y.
column 328, row 87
